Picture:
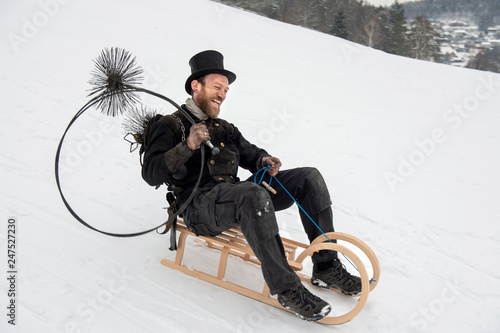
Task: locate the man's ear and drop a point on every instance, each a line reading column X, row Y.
column 195, row 84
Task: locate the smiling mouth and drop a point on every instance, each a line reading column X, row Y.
column 216, row 103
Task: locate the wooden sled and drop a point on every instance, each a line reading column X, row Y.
column 233, row 242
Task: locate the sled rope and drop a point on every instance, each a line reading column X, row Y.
column 264, row 169
column 291, row 196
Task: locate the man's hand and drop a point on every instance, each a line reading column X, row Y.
column 274, row 163
column 197, row 134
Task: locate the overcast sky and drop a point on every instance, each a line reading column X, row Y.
column 384, row 2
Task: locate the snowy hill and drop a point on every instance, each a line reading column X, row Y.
column 409, row 150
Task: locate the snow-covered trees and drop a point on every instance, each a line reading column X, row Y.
column 422, row 39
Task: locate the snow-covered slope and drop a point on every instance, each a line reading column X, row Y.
column 409, row 150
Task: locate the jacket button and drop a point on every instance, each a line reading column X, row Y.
column 222, row 144
column 212, row 162
column 216, row 124
column 233, row 162
column 221, row 179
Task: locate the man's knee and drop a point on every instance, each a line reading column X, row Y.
column 316, row 192
column 311, row 173
column 257, row 206
column 256, row 198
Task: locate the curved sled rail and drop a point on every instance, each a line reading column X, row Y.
column 356, row 242
column 335, row 320
column 233, row 242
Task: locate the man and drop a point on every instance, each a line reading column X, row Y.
column 172, row 155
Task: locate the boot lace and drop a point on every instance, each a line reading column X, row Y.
column 304, row 297
column 343, row 276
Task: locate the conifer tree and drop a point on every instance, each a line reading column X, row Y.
column 396, row 29
column 339, row 26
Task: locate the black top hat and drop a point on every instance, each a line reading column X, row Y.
column 207, row 62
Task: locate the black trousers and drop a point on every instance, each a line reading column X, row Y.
column 252, row 207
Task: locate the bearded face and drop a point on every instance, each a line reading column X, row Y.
column 210, row 93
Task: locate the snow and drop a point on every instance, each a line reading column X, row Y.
column 409, row 150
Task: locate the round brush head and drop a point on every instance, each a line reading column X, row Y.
column 113, row 79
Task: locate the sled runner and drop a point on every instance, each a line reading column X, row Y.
column 233, row 242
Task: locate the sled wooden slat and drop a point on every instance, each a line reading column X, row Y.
column 225, row 284
column 232, row 242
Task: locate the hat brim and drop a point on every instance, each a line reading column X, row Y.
column 230, row 76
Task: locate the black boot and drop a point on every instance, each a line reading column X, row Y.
column 338, row 277
column 305, row 305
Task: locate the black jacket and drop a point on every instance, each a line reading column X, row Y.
column 167, row 159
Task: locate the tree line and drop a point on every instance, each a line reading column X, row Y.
column 384, row 28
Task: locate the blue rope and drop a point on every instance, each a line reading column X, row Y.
column 291, row 196
column 303, row 210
